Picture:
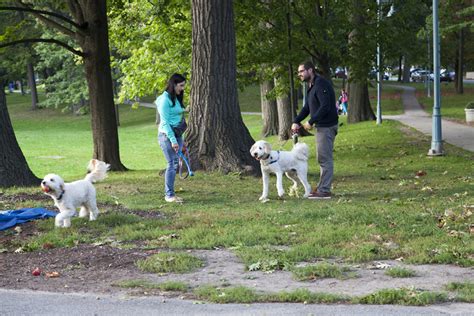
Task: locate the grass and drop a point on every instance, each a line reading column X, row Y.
column 402, row 297
column 399, row 272
column 322, row 270
column 464, row 291
column 175, row 286
column 166, row 262
column 452, row 104
column 381, row 209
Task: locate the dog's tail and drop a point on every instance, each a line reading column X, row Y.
column 96, row 170
column 301, row 151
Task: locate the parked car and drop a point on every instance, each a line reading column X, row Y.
column 446, row 76
column 420, row 75
column 373, row 75
column 340, row 73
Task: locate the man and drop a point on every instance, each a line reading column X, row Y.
column 320, row 105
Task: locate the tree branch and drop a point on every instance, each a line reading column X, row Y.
column 76, row 11
column 39, row 12
column 45, row 40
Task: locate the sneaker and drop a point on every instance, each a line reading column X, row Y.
column 173, row 199
column 319, row 196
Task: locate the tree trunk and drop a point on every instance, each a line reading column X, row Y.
column 400, row 65
column 284, row 116
column 359, row 103
column 14, row 170
column 269, row 110
column 99, row 80
column 459, row 64
column 217, row 136
column 32, row 84
column 406, row 70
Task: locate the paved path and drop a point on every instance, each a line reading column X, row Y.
column 36, row 303
column 453, row 133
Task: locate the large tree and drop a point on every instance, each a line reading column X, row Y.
column 88, row 27
column 218, row 138
column 14, row 170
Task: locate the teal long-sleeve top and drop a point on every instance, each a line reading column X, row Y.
column 169, row 115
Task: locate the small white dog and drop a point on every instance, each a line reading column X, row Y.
column 69, row 196
column 279, row 162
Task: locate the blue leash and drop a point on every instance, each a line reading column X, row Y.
column 191, row 173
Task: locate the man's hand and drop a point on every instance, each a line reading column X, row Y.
column 295, row 127
column 307, row 126
column 175, row 147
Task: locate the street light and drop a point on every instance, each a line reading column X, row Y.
column 379, row 75
column 436, row 138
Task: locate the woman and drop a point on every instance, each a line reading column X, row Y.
column 171, row 109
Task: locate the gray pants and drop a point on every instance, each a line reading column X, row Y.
column 325, row 137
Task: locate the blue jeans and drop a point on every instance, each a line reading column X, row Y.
column 172, row 159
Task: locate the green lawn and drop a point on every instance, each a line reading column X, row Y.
column 452, row 104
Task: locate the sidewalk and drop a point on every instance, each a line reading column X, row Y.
column 414, row 116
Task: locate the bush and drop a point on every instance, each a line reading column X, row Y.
column 470, row 105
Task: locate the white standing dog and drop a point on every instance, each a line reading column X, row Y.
column 69, row 196
column 279, row 162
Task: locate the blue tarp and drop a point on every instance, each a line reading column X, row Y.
column 11, row 218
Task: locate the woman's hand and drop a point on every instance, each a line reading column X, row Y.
column 175, row 147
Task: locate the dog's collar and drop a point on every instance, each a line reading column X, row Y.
column 275, row 160
column 265, row 157
column 60, row 196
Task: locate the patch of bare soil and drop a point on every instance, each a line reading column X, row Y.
column 95, row 268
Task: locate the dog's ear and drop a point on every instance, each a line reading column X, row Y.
column 267, row 147
column 251, row 148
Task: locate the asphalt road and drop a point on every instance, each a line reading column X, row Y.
column 27, row 302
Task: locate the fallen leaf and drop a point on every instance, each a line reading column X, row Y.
column 420, row 173
column 53, row 274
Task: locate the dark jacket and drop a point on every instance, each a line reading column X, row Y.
column 320, row 104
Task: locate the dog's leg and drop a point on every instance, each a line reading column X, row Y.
column 84, row 211
column 63, row 219
column 265, row 179
column 279, row 184
column 294, row 187
column 303, row 176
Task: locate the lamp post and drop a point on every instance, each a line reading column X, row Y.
column 436, row 138
column 379, row 76
column 379, row 57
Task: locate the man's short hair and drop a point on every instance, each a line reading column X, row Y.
column 308, row 65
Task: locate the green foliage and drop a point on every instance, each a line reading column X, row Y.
column 169, row 263
column 175, row 286
column 402, row 297
column 320, row 271
column 464, row 291
column 65, row 86
column 470, row 105
column 400, row 272
column 150, row 40
column 239, row 294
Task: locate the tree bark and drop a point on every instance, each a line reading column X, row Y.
column 217, row 136
column 269, row 110
column 406, row 69
column 14, row 170
column 359, row 103
column 284, row 115
column 459, row 84
column 95, row 45
column 32, row 85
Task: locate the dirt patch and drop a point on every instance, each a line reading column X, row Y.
column 90, row 268
column 96, row 268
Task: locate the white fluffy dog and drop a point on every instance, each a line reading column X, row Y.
column 69, row 196
column 279, row 162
